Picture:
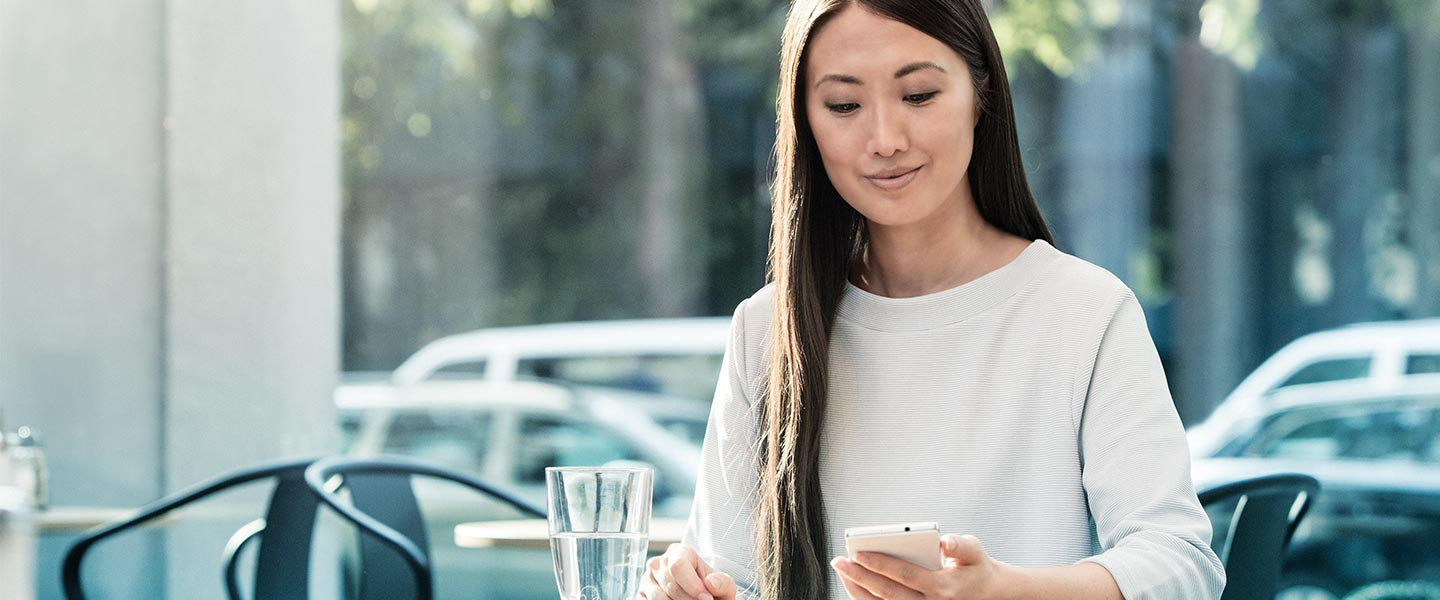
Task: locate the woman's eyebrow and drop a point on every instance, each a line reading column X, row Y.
column 850, row 79
column 901, row 72
column 916, row 66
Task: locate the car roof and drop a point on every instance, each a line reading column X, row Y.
column 540, row 394
column 625, row 337
column 1388, row 326
column 1354, row 391
column 1420, row 333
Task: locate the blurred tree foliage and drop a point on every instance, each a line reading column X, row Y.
column 521, row 161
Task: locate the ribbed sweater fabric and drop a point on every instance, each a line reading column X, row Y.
column 1027, row 407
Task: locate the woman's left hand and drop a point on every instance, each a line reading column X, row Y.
column 967, row 572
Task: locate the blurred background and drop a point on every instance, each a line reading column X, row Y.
column 224, row 227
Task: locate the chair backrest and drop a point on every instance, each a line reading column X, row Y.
column 383, row 506
column 284, row 536
column 1267, row 511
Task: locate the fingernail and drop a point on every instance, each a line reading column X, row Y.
column 950, row 543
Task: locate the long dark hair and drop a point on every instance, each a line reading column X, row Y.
column 815, row 238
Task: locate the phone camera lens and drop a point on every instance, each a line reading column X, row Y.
column 907, row 529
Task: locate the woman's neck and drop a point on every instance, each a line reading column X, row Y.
column 953, row 247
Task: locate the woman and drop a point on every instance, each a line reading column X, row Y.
column 924, row 353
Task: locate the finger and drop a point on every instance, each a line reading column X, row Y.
column 650, row 588
column 721, row 584
column 964, row 549
column 683, row 570
column 902, row 571
column 856, row 592
column 875, row 583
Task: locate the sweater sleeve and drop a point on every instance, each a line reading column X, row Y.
column 720, row 527
column 1154, row 535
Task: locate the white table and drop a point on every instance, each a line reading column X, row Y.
column 81, row 518
column 535, row 533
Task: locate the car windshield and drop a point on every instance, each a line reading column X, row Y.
column 1333, row 369
column 689, row 375
column 1389, row 432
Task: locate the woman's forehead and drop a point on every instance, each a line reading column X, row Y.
column 857, row 42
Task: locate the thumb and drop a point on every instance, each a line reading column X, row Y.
column 964, row 549
column 720, row 584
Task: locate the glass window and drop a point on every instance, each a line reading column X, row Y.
column 1335, row 369
column 1422, row 363
column 1395, row 432
column 453, row 437
column 560, row 442
column 686, row 428
column 692, row 376
column 463, row 370
column 350, row 421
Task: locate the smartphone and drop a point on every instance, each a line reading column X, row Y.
column 918, row 543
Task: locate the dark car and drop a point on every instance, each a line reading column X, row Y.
column 1377, row 456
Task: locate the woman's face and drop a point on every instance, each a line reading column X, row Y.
column 893, row 112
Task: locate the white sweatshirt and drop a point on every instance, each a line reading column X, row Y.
column 1027, row 407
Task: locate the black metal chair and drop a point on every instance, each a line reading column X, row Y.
column 284, row 535
column 1267, row 511
column 383, row 505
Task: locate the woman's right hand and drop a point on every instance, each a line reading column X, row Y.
column 679, row 574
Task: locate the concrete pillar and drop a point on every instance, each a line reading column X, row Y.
column 1212, row 231
column 169, row 271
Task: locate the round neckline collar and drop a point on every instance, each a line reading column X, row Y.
column 944, row 307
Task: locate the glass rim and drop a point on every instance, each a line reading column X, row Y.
column 599, row 469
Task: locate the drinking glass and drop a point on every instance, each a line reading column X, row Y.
column 599, row 529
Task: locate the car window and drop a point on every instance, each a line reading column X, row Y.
column 692, row 375
column 474, row 369
column 457, row 438
column 1334, row 369
column 350, row 421
column 1422, row 363
column 685, row 428
column 1390, row 433
column 556, row 441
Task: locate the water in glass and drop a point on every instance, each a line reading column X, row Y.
column 598, row 566
column 599, row 528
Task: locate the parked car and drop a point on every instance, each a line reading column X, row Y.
column 1370, row 355
column 506, row 433
column 670, row 356
column 1376, row 451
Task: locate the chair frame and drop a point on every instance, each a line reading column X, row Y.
column 415, row 556
column 287, row 474
column 1302, row 489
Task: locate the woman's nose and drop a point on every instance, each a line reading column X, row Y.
column 887, row 136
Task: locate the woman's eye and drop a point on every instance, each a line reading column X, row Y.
column 843, row 108
column 919, row 98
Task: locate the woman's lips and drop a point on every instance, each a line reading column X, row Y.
column 895, row 182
